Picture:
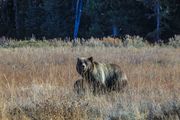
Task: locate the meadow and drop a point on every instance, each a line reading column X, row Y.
column 36, row 82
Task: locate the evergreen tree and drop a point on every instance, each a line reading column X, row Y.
column 58, row 18
column 154, row 19
column 34, row 18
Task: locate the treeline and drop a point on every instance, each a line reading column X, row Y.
column 153, row 19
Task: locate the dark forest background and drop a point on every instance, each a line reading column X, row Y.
column 151, row 19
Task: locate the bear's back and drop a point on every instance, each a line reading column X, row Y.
column 105, row 73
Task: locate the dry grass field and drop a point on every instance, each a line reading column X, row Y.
column 37, row 84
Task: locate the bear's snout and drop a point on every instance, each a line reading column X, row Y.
column 83, row 66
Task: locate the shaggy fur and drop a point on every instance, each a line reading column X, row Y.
column 101, row 76
column 78, row 87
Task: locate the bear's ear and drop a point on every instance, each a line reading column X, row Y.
column 78, row 59
column 90, row 59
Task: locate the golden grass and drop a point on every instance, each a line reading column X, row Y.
column 37, row 83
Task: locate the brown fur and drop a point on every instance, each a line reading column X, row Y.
column 100, row 76
column 78, row 87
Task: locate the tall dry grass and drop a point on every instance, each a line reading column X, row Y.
column 37, row 83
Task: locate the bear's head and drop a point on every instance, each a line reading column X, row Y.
column 84, row 65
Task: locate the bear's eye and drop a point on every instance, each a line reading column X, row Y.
column 79, row 63
column 85, row 62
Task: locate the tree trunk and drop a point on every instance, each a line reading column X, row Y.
column 4, row 15
column 77, row 18
column 114, row 30
column 157, row 8
column 16, row 17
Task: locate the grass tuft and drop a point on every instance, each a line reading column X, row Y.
column 37, row 83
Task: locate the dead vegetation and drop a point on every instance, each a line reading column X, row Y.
column 37, row 84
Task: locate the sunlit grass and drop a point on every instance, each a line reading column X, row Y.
column 37, row 83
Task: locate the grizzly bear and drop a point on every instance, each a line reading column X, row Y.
column 100, row 76
column 78, row 87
